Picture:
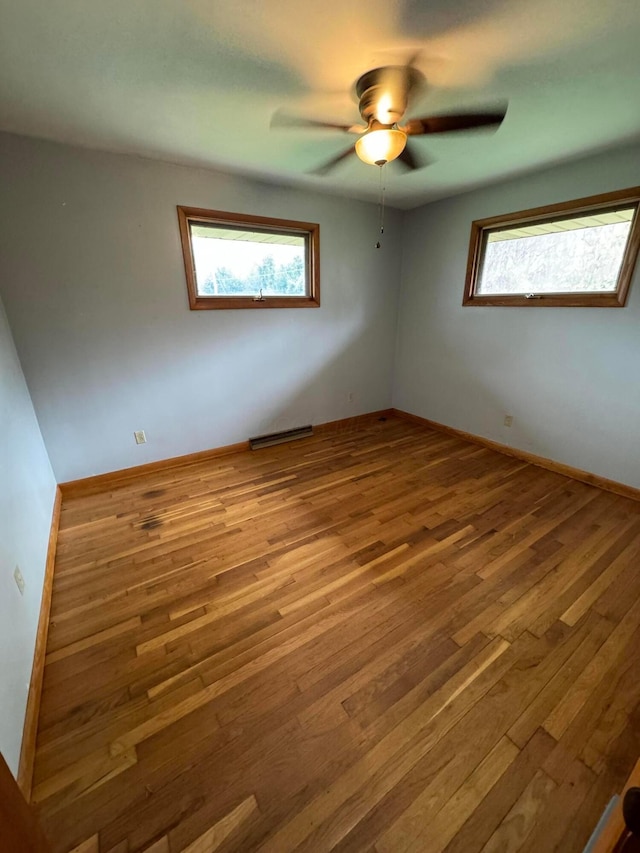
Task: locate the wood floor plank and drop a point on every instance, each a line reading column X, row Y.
column 520, row 821
column 213, row 838
column 160, row 846
column 576, row 654
column 604, row 580
column 91, row 845
column 560, row 810
column 489, row 815
column 396, row 753
column 379, row 639
column 420, row 834
column 611, row 650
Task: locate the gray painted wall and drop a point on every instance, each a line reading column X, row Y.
column 569, row 376
column 27, row 492
column 93, row 284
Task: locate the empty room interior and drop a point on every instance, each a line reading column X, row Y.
column 320, row 426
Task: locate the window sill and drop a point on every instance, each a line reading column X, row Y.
column 213, row 303
column 549, row 300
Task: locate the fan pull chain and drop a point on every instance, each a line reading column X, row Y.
column 381, row 204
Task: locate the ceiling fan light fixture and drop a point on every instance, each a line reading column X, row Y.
column 376, row 147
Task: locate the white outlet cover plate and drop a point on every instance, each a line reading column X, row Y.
column 17, row 574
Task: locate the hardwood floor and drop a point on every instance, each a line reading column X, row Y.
column 384, row 639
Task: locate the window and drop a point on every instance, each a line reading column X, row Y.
column 237, row 261
column 579, row 253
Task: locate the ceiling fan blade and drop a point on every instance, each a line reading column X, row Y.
column 453, row 123
column 282, row 119
column 412, row 159
column 324, row 168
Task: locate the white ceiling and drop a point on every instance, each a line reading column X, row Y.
column 197, row 81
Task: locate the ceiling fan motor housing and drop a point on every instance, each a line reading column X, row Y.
column 383, row 93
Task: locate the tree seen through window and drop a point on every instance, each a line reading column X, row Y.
column 267, row 275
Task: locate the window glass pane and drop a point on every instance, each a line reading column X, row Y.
column 236, row 262
column 581, row 254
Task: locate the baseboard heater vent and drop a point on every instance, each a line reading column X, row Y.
column 280, row 437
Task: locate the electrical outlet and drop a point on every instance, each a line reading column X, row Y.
column 17, row 575
column 508, row 420
column 140, row 437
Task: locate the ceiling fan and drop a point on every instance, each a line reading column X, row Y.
column 384, row 94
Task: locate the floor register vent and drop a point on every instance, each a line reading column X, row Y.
column 280, row 437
